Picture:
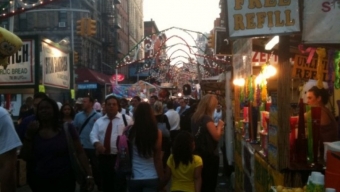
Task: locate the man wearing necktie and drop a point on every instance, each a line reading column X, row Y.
column 104, row 136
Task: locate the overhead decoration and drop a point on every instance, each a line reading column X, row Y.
column 9, row 8
column 165, row 67
column 9, row 45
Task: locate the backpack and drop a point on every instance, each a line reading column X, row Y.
column 123, row 164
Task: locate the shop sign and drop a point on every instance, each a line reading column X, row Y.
column 20, row 70
column 261, row 58
column 56, row 67
column 262, row 17
column 87, row 86
column 303, row 70
column 321, row 22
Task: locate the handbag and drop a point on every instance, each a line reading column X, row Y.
column 78, row 169
column 204, row 143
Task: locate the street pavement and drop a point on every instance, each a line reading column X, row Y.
column 223, row 183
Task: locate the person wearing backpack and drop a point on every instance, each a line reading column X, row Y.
column 163, row 125
column 83, row 122
column 183, row 166
column 146, row 139
column 206, row 136
column 104, row 137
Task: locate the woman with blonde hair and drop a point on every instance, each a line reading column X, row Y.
column 207, row 136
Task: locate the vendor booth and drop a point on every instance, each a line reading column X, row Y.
column 278, row 137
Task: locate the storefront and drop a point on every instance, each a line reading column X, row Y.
column 93, row 83
column 40, row 65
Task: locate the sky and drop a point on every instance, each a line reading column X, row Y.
column 194, row 15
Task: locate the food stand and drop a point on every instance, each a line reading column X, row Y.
column 263, row 106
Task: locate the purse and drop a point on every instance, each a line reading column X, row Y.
column 204, row 143
column 78, row 169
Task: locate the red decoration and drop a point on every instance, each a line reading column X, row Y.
column 120, row 77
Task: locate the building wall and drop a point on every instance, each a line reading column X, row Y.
column 136, row 27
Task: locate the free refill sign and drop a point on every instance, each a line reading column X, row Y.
column 262, row 17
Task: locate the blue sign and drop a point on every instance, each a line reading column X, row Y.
column 87, row 86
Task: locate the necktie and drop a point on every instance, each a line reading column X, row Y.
column 107, row 139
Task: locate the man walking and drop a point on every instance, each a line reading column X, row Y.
column 84, row 122
column 104, row 137
column 9, row 142
column 173, row 118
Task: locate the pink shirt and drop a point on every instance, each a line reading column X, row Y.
column 97, row 106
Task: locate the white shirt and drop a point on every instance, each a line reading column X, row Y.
column 8, row 137
column 173, row 118
column 99, row 129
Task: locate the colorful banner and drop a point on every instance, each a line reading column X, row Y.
column 254, row 18
column 303, row 70
column 20, row 70
column 321, row 23
column 56, row 67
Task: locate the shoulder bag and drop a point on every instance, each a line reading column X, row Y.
column 78, row 169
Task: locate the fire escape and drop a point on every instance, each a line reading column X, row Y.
column 109, row 36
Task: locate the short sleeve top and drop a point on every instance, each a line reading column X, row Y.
column 183, row 175
column 9, row 139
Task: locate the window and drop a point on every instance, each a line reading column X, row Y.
column 23, row 22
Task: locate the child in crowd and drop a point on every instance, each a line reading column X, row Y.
column 183, row 166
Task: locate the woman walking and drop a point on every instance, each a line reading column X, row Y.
column 207, row 136
column 67, row 113
column 45, row 148
column 146, row 141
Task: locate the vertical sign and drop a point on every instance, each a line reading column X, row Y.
column 20, row 70
column 56, row 67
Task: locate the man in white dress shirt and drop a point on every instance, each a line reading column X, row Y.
column 9, row 142
column 173, row 118
column 104, row 136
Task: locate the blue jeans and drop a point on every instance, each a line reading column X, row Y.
column 147, row 185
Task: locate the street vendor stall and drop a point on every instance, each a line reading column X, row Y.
column 276, row 134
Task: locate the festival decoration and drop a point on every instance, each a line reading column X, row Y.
column 158, row 62
column 9, row 44
column 310, row 51
column 11, row 8
column 319, row 70
column 330, row 71
column 337, row 69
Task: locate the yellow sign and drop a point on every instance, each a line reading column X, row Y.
column 73, row 95
column 42, row 88
column 303, row 70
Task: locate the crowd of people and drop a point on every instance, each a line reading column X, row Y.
column 165, row 136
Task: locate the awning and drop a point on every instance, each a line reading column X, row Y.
column 90, row 76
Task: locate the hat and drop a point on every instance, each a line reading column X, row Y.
column 79, row 100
